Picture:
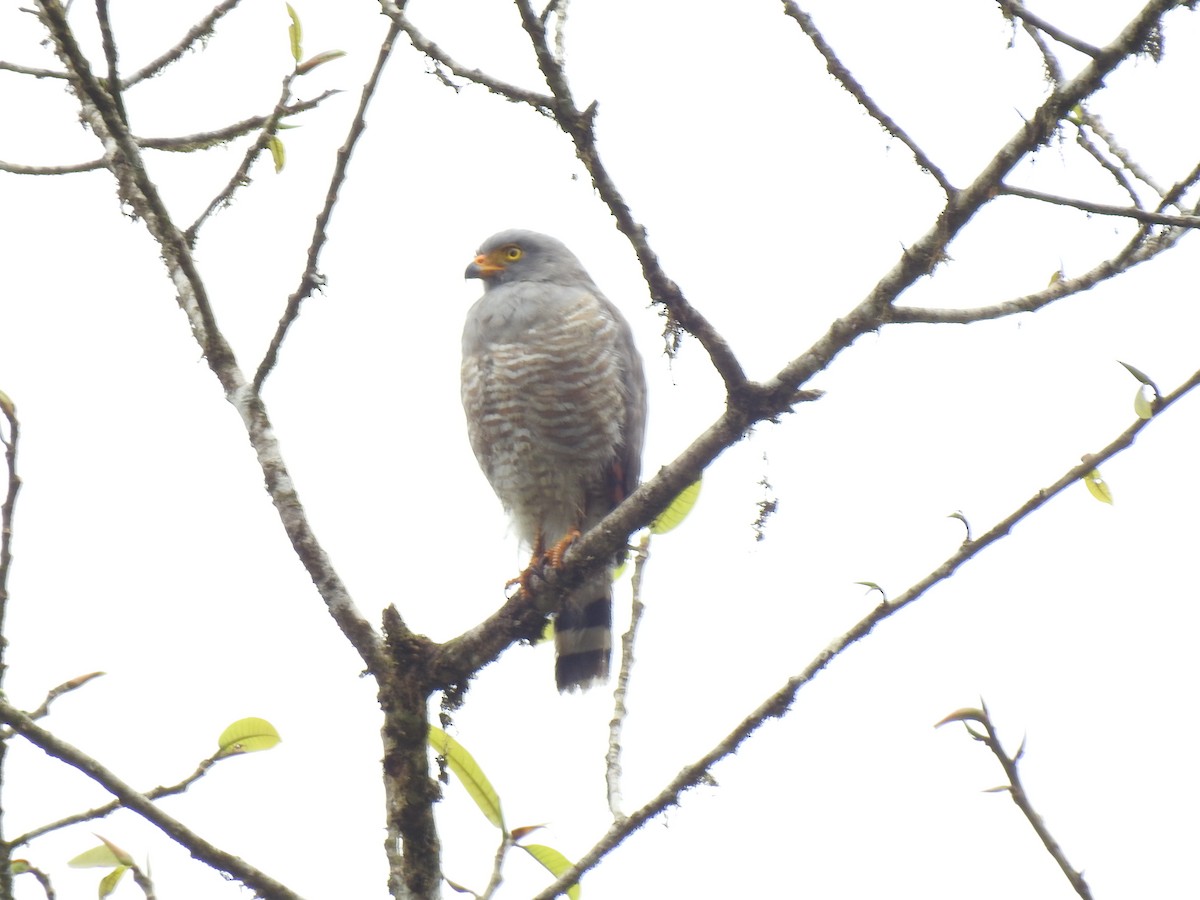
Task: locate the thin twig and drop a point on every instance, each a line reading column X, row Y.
column 443, row 61
column 241, row 177
column 580, row 127
column 497, row 877
column 189, row 142
column 68, row 169
column 612, row 759
column 559, row 10
column 1013, row 8
column 1096, row 124
column 777, row 704
column 198, row 32
column 10, row 438
column 53, row 694
column 310, row 279
column 1103, row 209
column 30, row 70
column 113, row 83
column 182, row 144
column 142, row 880
column 140, row 804
column 1016, row 790
column 1117, row 173
column 1053, row 67
column 1081, row 116
column 99, row 812
column 838, row 70
column 1142, row 247
column 42, row 878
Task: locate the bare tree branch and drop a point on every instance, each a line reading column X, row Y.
column 751, row 402
column 408, row 666
column 123, row 158
column 930, row 249
column 778, row 703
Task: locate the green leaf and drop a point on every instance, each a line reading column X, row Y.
column 872, row 586
column 102, row 857
column 957, row 514
column 1137, row 373
column 1097, row 486
column 319, row 60
column 275, row 145
column 1143, row 402
column 554, row 861
column 108, row 883
column 295, row 34
column 19, row 866
column 463, row 765
column 247, row 736
column 671, row 517
column 122, row 857
column 6, row 404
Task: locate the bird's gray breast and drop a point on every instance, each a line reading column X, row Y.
column 543, row 386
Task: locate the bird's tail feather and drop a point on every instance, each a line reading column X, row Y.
column 583, row 635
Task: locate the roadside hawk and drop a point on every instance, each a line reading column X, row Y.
column 555, row 399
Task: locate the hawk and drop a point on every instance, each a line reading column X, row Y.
column 555, row 399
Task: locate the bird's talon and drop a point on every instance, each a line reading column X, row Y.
column 556, row 554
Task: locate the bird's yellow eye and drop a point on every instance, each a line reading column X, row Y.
column 512, row 253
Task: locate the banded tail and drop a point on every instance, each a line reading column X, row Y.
column 583, row 636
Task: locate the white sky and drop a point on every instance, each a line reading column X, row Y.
column 147, row 548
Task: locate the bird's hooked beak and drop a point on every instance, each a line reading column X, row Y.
column 485, row 266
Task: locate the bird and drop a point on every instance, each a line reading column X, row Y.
column 555, row 399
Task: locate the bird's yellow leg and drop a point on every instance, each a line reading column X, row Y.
column 535, row 563
column 556, row 553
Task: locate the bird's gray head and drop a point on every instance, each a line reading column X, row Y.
column 519, row 255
